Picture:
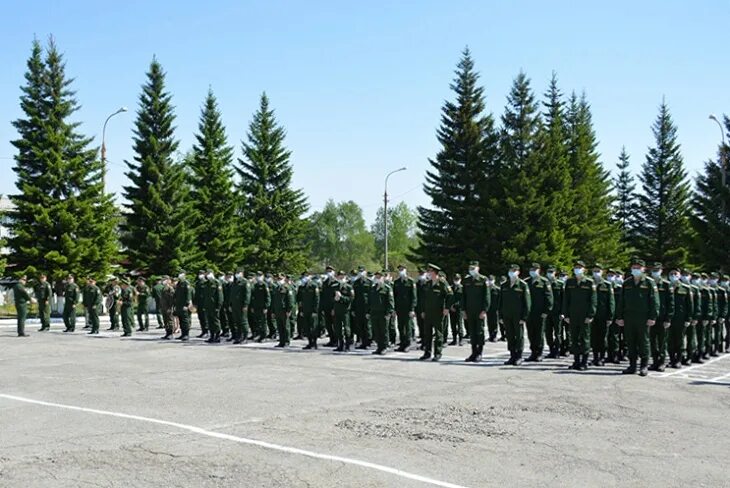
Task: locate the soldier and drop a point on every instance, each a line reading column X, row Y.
column 327, row 303
column 565, row 347
column 706, row 311
column 691, row 335
column 167, row 307
column 553, row 322
column 361, row 287
column 639, row 312
column 421, row 284
column 127, row 298
column 199, row 299
column 143, row 293
column 381, row 305
column 437, row 297
column 308, row 300
column 260, row 304
column 183, row 304
column 456, row 317
column 658, row 333
column 493, row 312
column 282, row 304
column 213, row 304
column 715, row 328
column 43, row 293
column 405, row 295
column 726, row 285
column 541, row 294
column 615, row 277
column 476, row 299
column 70, row 299
column 156, row 296
column 225, row 313
column 605, row 312
column 680, row 295
column 344, row 295
column 270, row 320
column 113, row 293
column 92, row 303
column 392, row 325
column 240, row 299
column 579, row 308
column 514, row 310
column 21, row 298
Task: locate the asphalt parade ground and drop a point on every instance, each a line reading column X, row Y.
column 100, row 411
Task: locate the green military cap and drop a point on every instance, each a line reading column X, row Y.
column 535, row 266
column 457, row 276
column 164, row 277
column 259, row 273
column 715, row 275
column 400, row 266
column 514, row 267
column 432, row 267
column 597, row 266
column 288, row 277
column 124, row 281
column 341, row 273
column 491, row 277
column 442, row 274
column 579, row 263
column 636, row 261
column 250, row 274
column 352, row 272
column 726, row 277
column 329, row 268
column 361, row 268
column 612, row 271
column 686, row 271
column 552, row 268
column 378, row 273
column 657, row 265
column 421, row 270
column 473, row 263
column 704, row 276
column 370, row 274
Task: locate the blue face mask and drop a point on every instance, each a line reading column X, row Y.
column 636, row 272
column 578, row 271
column 533, row 274
column 512, row 274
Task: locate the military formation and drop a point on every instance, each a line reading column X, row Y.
column 652, row 319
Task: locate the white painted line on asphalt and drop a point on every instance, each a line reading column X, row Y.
column 243, row 440
column 690, row 368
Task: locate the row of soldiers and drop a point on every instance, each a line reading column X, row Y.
column 643, row 316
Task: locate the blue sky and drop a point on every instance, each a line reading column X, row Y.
column 359, row 86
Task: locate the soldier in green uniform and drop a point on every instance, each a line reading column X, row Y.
column 361, row 287
column 493, row 311
column 392, row 325
column 156, row 296
column 240, row 299
column 143, row 293
column 437, row 297
column 726, row 322
column 565, row 346
column 405, row 295
column 344, row 295
column 579, row 307
column 70, row 299
column 456, row 316
column 270, row 319
column 553, row 322
column 327, row 303
column 707, row 310
column 167, row 307
column 92, row 303
column 605, row 313
column 658, row 333
column 381, row 305
column 514, row 310
column 183, row 303
column 21, row 298
column 308, row 309
column 680, row 295
column 213, row 304
column 127, row 297
column 199, row 299
column 225, row 313
column 113, row 294
column 691, row 335
column 716, row 328
column 541, row 294
column 421, row 284
column 43, row 293
column 260, row 304
column 282, row 304
column 638, row 313
column 613, row 340
column 476, row 300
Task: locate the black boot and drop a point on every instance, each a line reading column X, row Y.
column 596, row 359
column 553, row 352
column 518, row 358
column 511, row 359
column 685, row 361
column 340, row 346
column 583, row 362
column 473, row 354
column 644, row 370
column 478, row 357
column 202, row 334
column 654, row 364
column 632, row 367
column 576, row 362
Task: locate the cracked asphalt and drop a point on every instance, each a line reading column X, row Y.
column 469, row 425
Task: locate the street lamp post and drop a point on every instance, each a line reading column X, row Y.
column 385, row 213
column 723, row 163
column 103, row 148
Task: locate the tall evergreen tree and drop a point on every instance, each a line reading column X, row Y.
column 460, row 182
column 158, row 231
column 624, row 208
column 711, row 216
column 216, row 207
column 273, row 212
column 63, row 223
column 664, row 209
column 591, row 228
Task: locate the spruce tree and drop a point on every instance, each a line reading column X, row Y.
column 216, row 207
column 624, row 208
column 461, row 180
column 158, row 229
column 663, row 233
column 63, row 223
column 711, row 216
column 591, row 228
column 272, row 212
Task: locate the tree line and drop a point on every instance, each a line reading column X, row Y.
column 529, row 187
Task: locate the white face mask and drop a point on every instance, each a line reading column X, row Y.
column 578, row 271
column 260, row 279
column 563, row 278
column 423, row 277
column 363, row 274
column 473, row 272
column 181, row 276
column 635, row 272
column 551, row 275
column 713, row 282
column 597, row 274
column 457, row 282
column 512, row 274
column 330, row 274
column 620, row 280
column 239, row 275
column 656, row 274
column 402, row 273
column 673, row 278
column 685, row 279
column 201, row 276
column 211, row 276
column 724, row 283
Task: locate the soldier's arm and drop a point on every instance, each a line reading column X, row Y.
column 549, row 303
column 566, row 301
column 653, row 302
column 527, row 303
column 414, row 297
column 390, row 304
column 487, row 298
column 611, row 303
column 593, row 303
column 267, row 298
column 670, row 305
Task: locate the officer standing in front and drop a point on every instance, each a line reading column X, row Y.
column 579, row 308
column 542, row 304
column 70, row 299
column 476, row 299
column 21, row 298
column 43, row 294
column 514, row 310
column 405, row 294
column 437, row 296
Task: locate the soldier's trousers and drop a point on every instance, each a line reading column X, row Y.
column 113, row 318
column 474, row 328
column 613, row 339
column 554, row 331
column 22, row 311
column 699, row 337
column 69, row 318
column 536, row 334
column 675, row 339
column 282, row 325
column 93, row 314
column 44, row 312
column 309, row 326
column 433, row 333
column 327, row 322
column 223, row 316
column 658, row 342
column 492, row 324
column 361, row 327
column 214, row 321
column 420, row 324
column 708, row 336
column 258, row 324
column 127, row 319
column 717, row 330
column 636, row 334
column 203, row 319
column 270, row 323
column 691, row 340
column 380, row 330
column 727, row 334
column 341, row 327
column 292, row 321
column 159, row 315
column 599, row 334
column 456, row 319
column 514, row 332
column 183, row 316
column 168, row 322
column 392, row 328
column 580, row 335
column 405, row 328
column 143, row 319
